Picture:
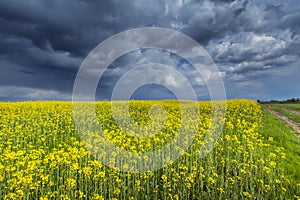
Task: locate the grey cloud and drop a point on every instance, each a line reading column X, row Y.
column 249, row 46
column 22, row 93
column 42, row 43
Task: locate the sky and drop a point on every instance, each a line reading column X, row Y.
column 255, row 45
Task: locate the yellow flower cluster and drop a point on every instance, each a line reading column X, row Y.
column 43, row 157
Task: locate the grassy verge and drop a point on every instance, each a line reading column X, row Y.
column 291, row 106
column 295, row 107
column 292, row 116
column 281, row 135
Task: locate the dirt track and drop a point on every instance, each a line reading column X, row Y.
column 290, row 122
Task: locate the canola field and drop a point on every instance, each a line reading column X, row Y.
column 43, row 156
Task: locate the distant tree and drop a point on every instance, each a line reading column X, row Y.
column 293, row 100
column 273, row 101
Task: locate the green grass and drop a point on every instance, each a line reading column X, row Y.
column 295, row 107
column 282, row 109
column 283, row 136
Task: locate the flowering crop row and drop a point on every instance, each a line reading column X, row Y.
column 42, row 156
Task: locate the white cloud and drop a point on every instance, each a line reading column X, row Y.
column 171, row 81
column 247, row 46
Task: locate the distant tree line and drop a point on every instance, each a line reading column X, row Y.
column 292, row 100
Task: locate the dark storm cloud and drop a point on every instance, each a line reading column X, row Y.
column 223, row 1
column 42, row 43
column 63, row 25
column 260, row 48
